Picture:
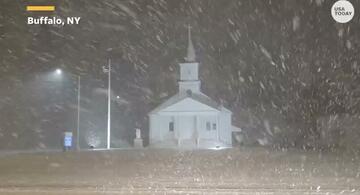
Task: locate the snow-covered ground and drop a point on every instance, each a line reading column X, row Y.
column 161, row 171
column 189, row 144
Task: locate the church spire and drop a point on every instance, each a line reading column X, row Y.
column 190, row 57
column 189, row 70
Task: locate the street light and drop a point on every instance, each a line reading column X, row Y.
column 59, row 72
column 108, row 70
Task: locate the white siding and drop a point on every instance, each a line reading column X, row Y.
column 189, row 71
column 153, row 130
column 203, row 132
column 163, row 127
column 225, row 124
column 190, row 122
column 194, row 86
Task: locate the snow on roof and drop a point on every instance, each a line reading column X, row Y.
column 195, row 96
column 236, row 129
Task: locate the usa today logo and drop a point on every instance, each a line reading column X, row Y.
column 342, row 11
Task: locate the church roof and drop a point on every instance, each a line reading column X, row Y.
column 195, row 96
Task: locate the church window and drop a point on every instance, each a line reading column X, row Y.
column 214, row 126
column 208, row 126
column 171, row 126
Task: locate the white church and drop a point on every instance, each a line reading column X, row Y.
column 190, row 119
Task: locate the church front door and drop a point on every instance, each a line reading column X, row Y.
column 187, row 126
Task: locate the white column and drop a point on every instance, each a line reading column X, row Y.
column 159, row 127
column 177, row 129
column 151, row 129
column 198, row 130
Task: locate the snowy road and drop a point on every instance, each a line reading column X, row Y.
column 270, row 190
column 149, row 171
column 58, row 191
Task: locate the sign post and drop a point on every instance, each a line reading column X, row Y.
column 67, row 140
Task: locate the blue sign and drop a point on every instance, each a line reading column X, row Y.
column 68, row 140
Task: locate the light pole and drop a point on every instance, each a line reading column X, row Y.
column 59, row 72
column 108, row 70
column 78, row 115
column 109, row 107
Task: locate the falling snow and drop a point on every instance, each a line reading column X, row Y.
column 287, row 70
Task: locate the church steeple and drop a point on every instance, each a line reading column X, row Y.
column 189, row 76
column 190, row 57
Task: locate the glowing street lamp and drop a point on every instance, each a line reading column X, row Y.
column 58, row 71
